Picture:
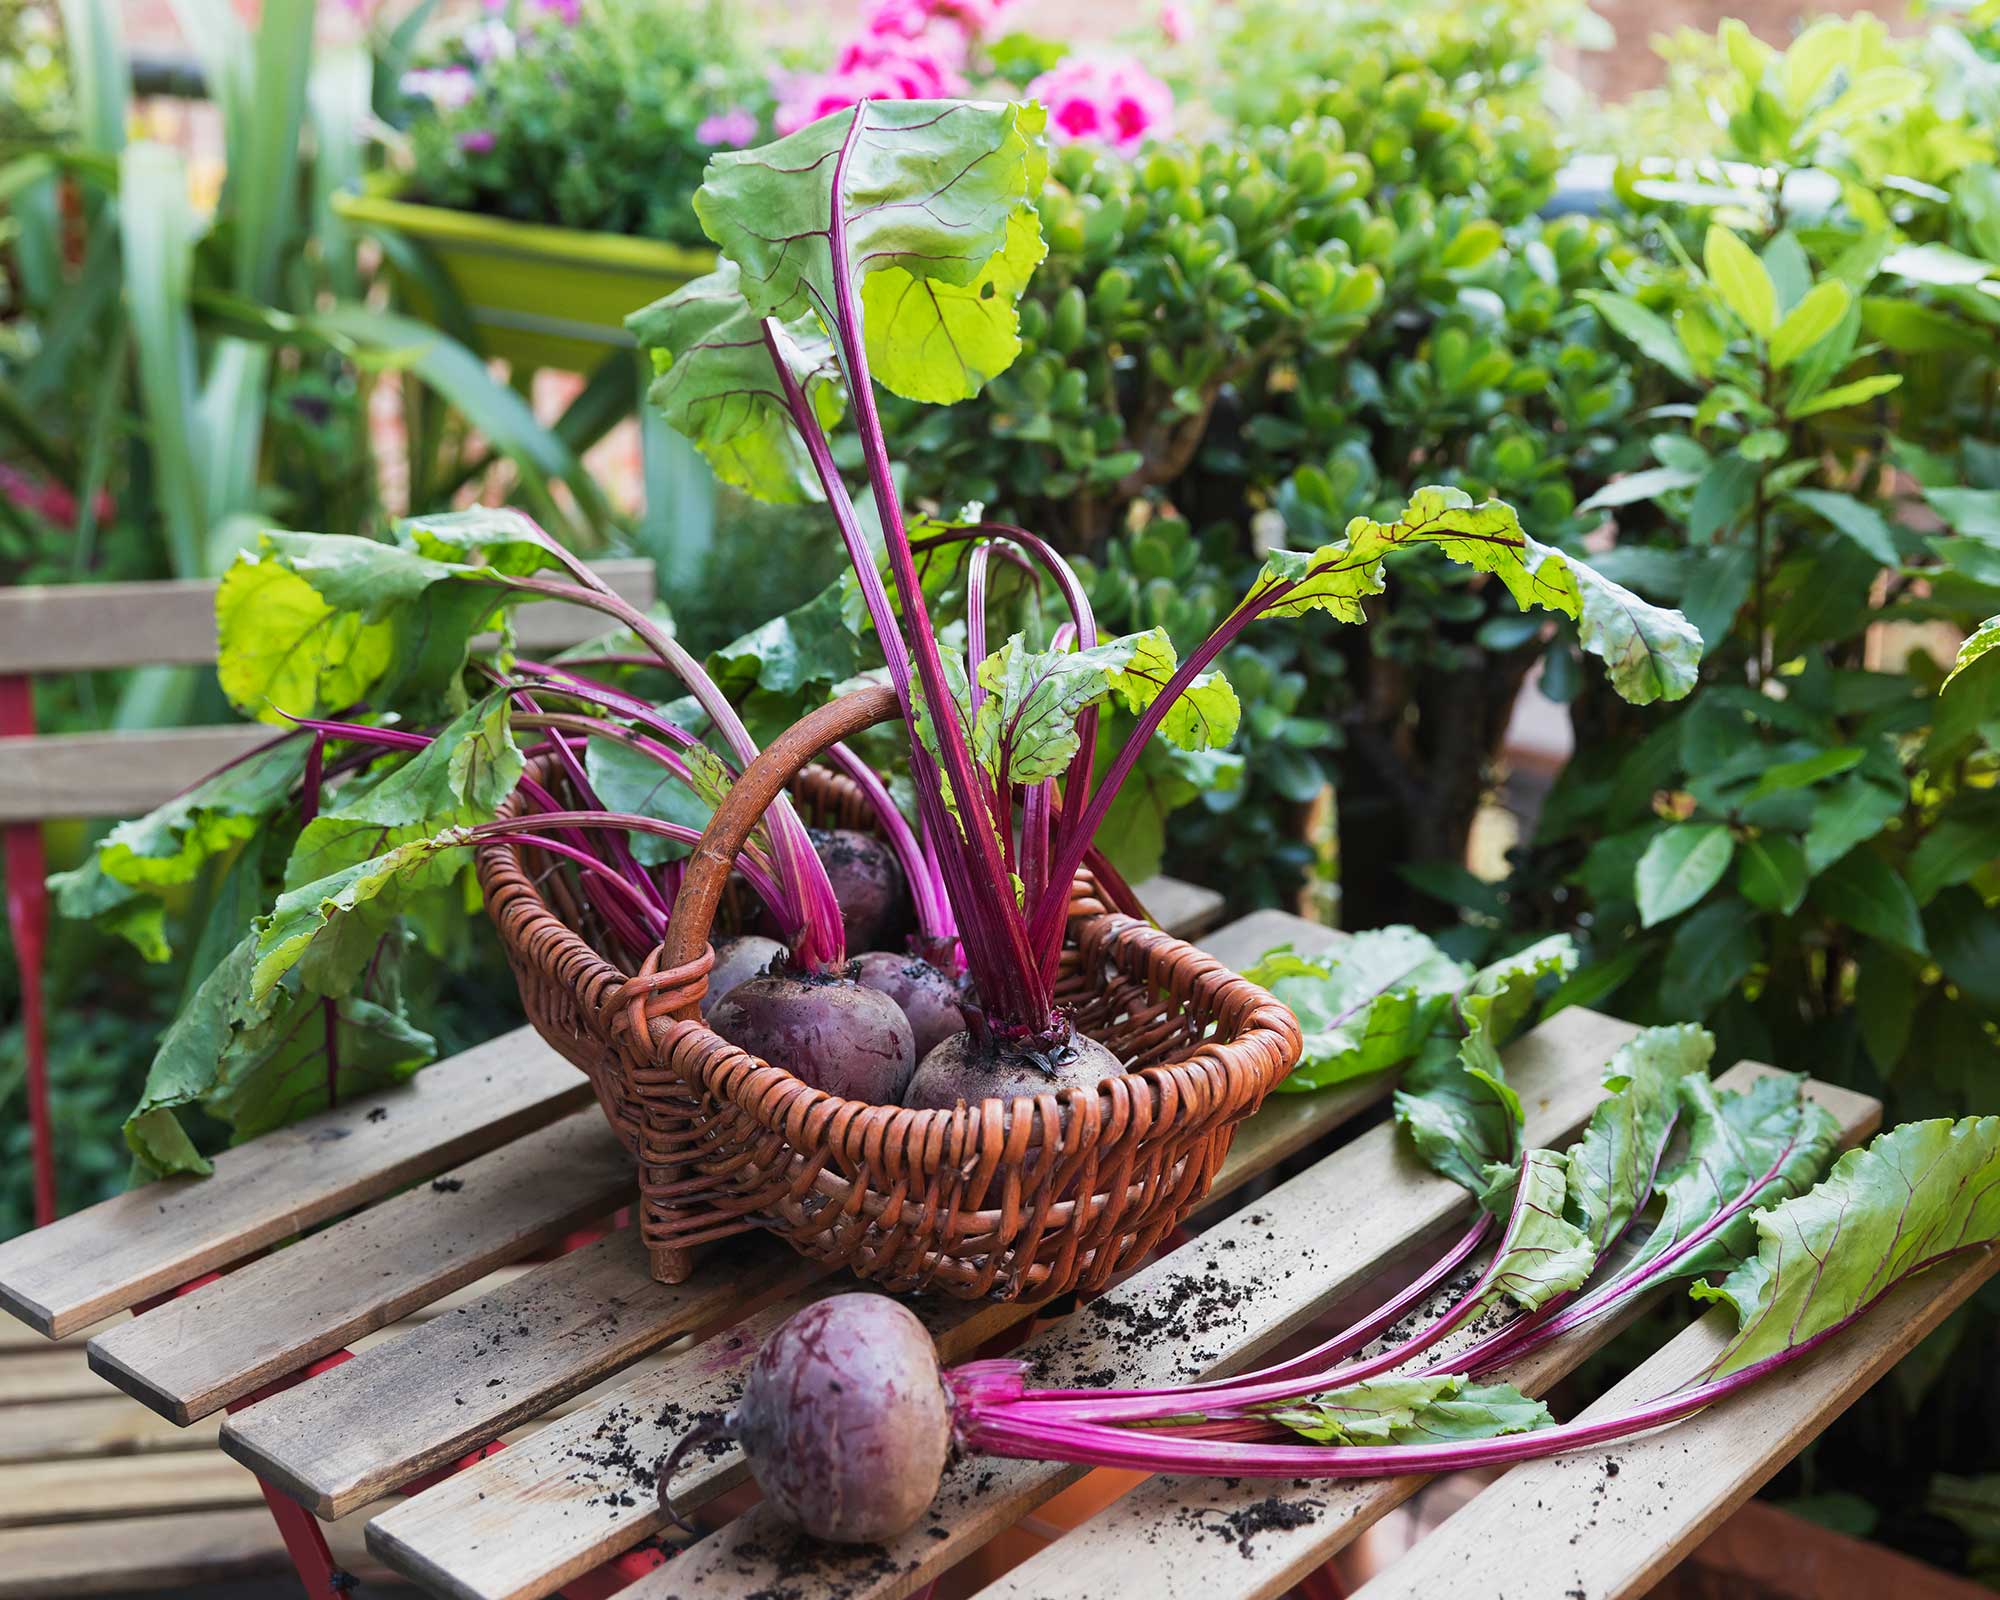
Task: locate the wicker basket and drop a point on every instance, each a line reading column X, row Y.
column 1027, row 1197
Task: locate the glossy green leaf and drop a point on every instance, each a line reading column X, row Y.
column 1742, row 281
column 1657, row 342
column 1847, row 394
column 1771, row 872
column 1712, row 951
column 1863, row 891
column 1682, row 864
column 1862, row 524
column 1808, row 322
column 1983, row 639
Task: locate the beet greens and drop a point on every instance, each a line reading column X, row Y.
column 889, row 243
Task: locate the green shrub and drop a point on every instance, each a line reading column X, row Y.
column 1342, row 295
column 1806, row 854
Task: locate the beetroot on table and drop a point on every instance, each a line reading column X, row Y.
column 966, row 1068
column 844, row 1420
column 928, row 998
column 831, row 1032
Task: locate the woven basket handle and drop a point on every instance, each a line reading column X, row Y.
column 782, row 760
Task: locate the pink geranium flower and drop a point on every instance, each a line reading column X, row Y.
column 476, row 141
column 868, row 69
column 1113, row 102
column 921, row 19
column 1175, row 22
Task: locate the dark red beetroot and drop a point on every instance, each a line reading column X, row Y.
column 928, row 998
column 836, row 1035
column 737, row 961
column 844, row 1420
column 874, row 899
column 962, row 1068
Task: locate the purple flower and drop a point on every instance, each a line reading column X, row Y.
column 728, row 130
column 476, row 141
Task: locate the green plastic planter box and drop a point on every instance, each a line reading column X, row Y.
column 539, row 296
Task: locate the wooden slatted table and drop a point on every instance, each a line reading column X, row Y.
column 591, row 1370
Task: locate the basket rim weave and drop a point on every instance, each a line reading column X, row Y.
column 1069, row 1147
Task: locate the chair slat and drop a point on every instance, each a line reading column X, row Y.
column 1272, row 1266
column 36, row 1375
column 1188, row 1538
column 104, row 1425
column 113, row 774
column 1640, row 1505
column 154, row 1238
column 100, row 626
column 229, row 1338
column 43, row 1492
column 413, row 1404
column 194, row 1550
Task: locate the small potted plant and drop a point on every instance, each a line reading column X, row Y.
column 547, row 153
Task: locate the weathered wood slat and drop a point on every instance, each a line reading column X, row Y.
column 558, row 1496
column 152, row 1239
column 134, row 1553
column 202, row 1350
column 113, row 774
column 43, row 1492
column 1186, row 910
column 1609, row 1523
column 36, row 1375
column 104, row 1425
column 412, row 1404
column 1185, row 1538
column 1221, row 1301
column 97, row 626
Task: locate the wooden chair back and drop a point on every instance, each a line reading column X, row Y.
column 93, row 775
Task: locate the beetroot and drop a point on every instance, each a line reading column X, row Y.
column 737, row 961
column 874, row 899
column 844, row 1419
column 969, row 1070
column 928, row 998
column 831, row 1032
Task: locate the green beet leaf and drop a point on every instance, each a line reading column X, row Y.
column 1650, row 653
column 1454, row 1101
column 933, row 197
column 459, row 778
column 311, row 624
column 1730, row 1141
column 1365, row 1005
column 1912, row 1196
column 1428, row 1410
column 327, row 930
column 1542, row 1254
column 714, row 382
column 1026, row 723
column 1611, row 1167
